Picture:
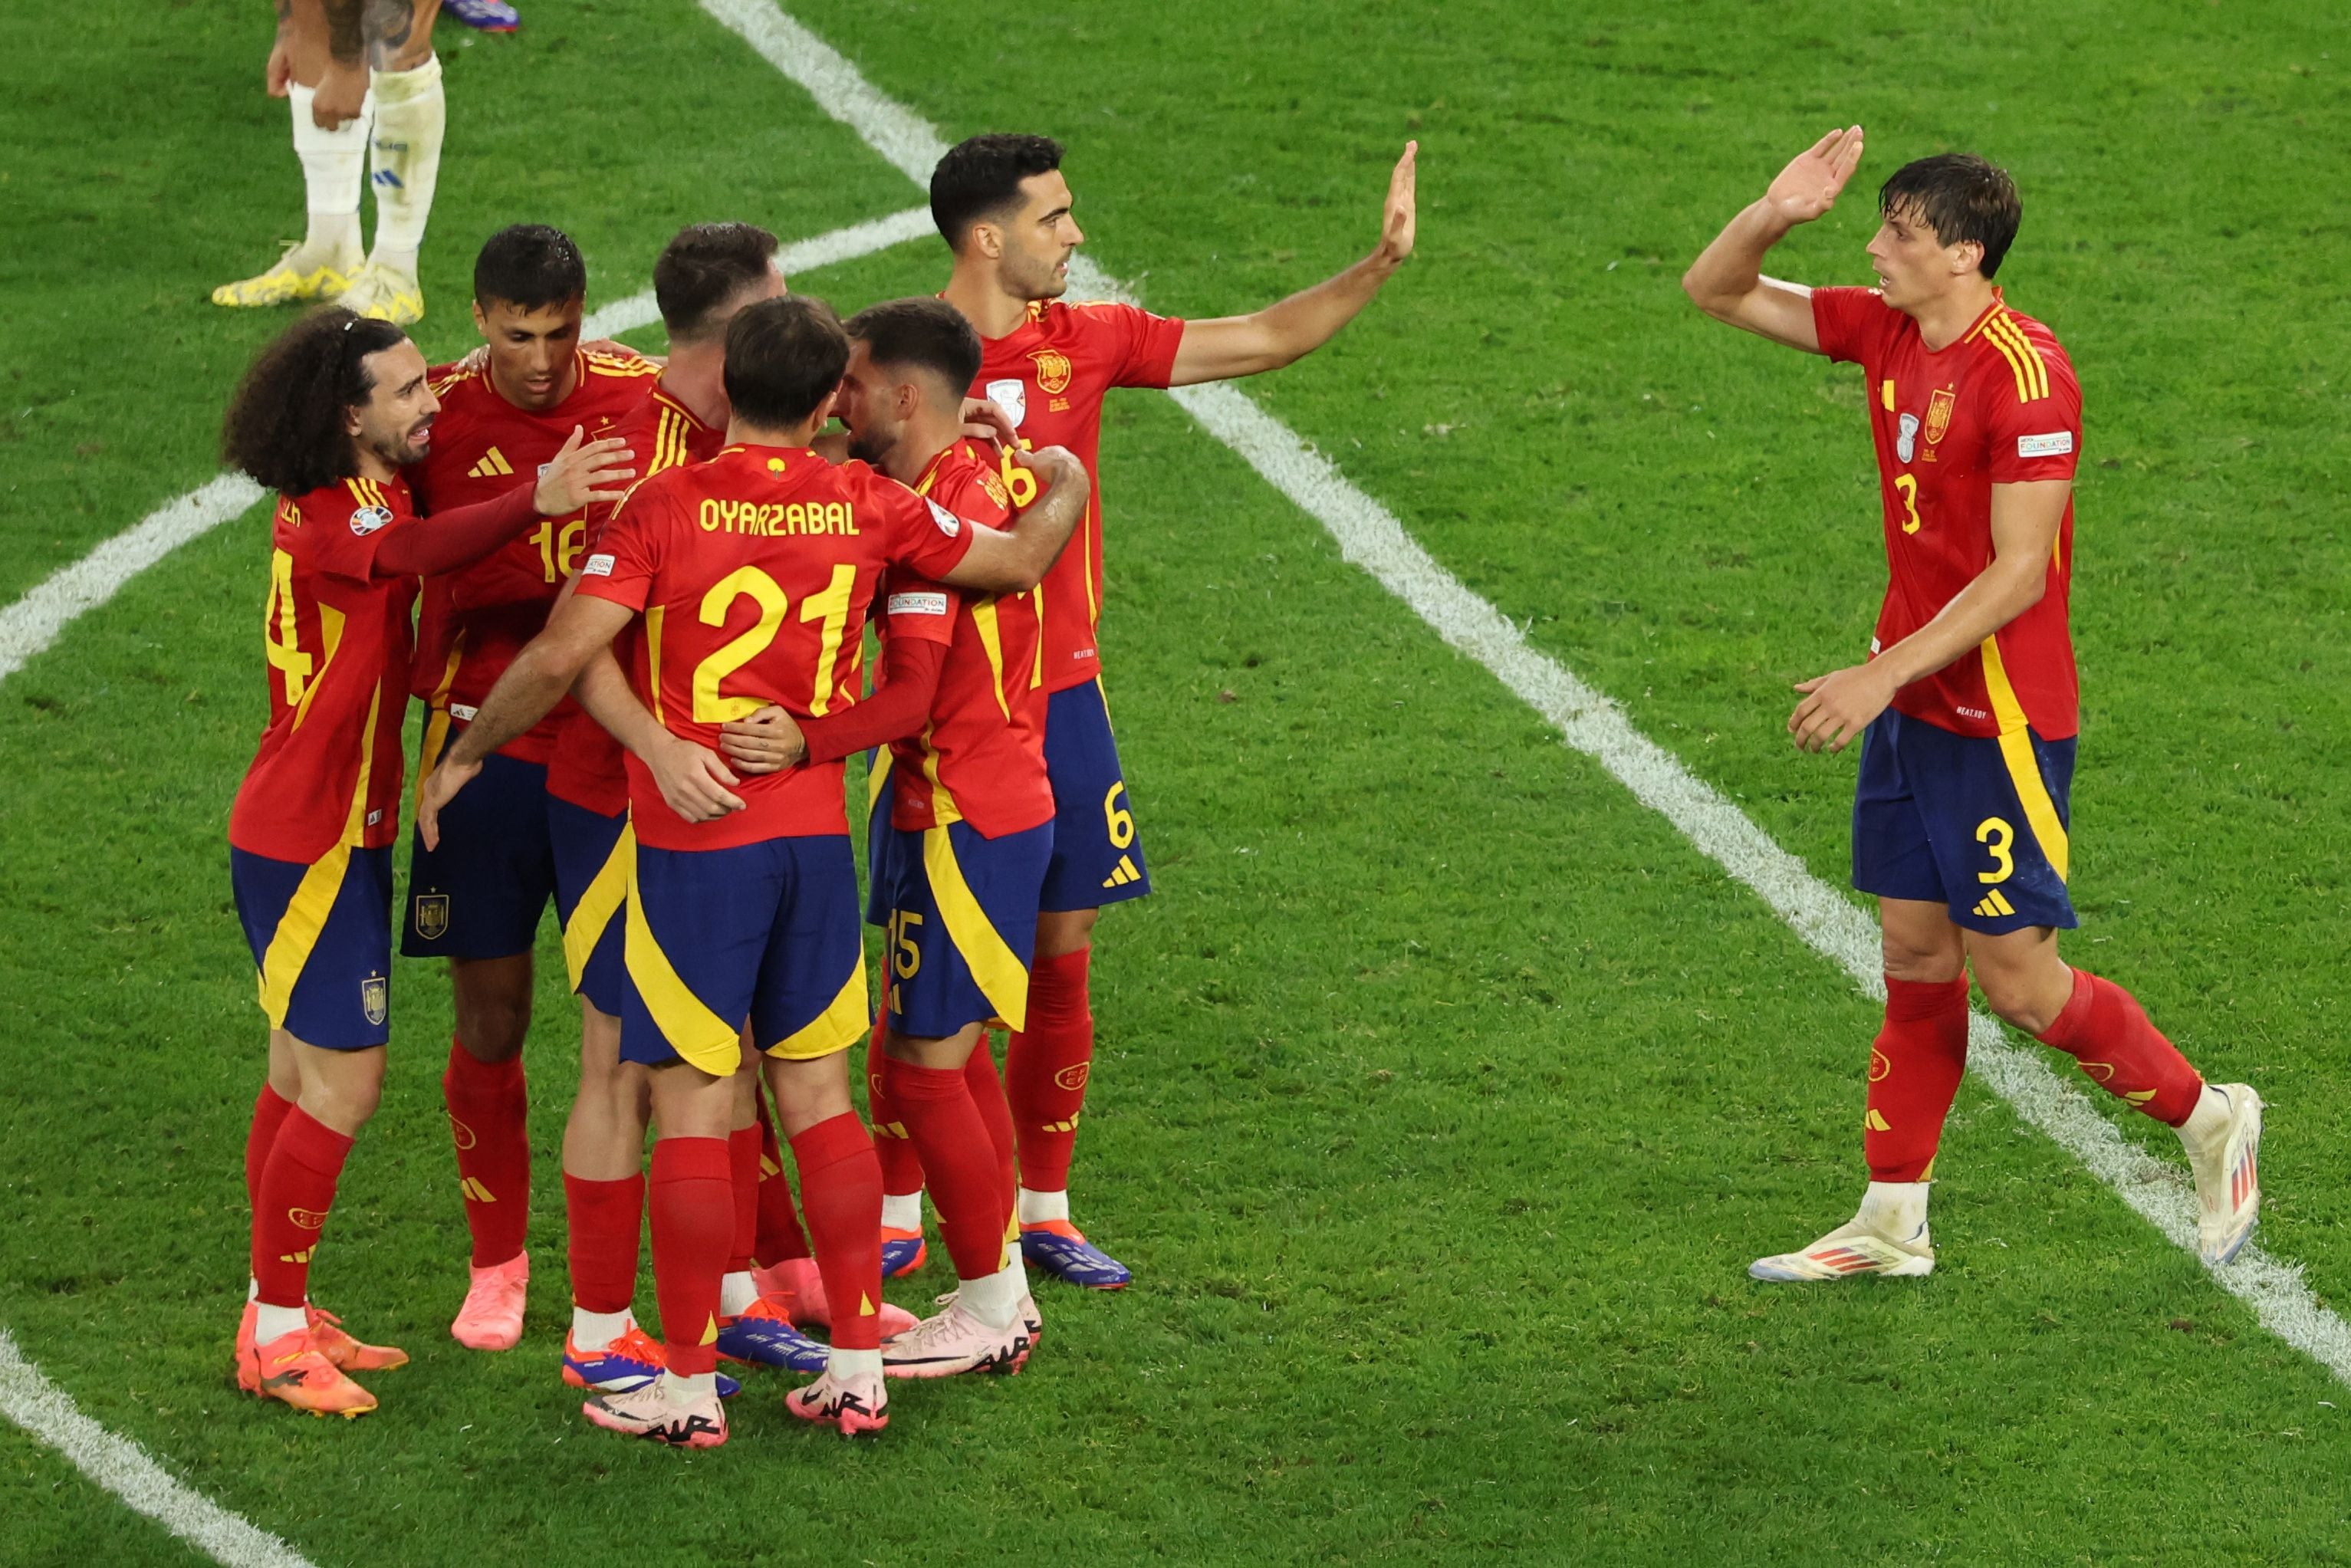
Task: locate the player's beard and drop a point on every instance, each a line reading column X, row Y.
column 867, row 446
column 1041, row 279
column 409, row 446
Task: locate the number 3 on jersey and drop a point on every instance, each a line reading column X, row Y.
column 829, row 607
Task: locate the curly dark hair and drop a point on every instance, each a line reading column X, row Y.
column 284, row 426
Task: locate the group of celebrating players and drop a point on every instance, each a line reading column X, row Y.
column 632, row 594
column 644, row 587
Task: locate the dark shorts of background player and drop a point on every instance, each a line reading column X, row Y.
column 961, row 912
column 481, row 894
column 1097, row 854
column 766, row 932
column 591, row 864
column 334, row 941
column 1950, row 818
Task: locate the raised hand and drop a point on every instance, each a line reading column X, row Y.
column 583, row 474
column 1810, row 184
column 1400, row 221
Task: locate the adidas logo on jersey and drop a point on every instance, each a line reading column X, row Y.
column 493, row 466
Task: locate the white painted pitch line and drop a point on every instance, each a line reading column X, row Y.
column 33, row 622
column 1369, row 535
column 27, row 628
column 127, row 1470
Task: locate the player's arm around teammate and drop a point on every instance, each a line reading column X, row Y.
column 1967, row 708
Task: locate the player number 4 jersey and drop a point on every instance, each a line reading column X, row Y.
column 753, row 573
column 1050, row 375
column 335, row 647
column 1998, row 406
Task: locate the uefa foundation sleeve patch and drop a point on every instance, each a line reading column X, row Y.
column 2056, row 444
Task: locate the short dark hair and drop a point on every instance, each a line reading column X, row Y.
column 531, row 266
column 784, row 356
column 284, row 426
column 980, row 177
column 921, row 333
column 703, row 267
column 1961, row 197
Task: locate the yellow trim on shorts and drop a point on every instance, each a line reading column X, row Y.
column 1003, row 978
column 298, row 928
column 2023, row 767
column 877, row 777
column 698, row 1035
column 606, row 892
column 845, row 1021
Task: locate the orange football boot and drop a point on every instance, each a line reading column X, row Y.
column 293, row 1369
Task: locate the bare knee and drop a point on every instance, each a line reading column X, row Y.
column 1060, row 931
column 492, row 1002
column 2023, row 982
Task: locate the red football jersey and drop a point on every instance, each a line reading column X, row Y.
column 981, row 757
column 2000, row 406
column 335, row 634
column 1050, row 375
column 475, row 620
column 753, row 572
column 590, row 768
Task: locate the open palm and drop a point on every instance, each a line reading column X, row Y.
column 1809, row 185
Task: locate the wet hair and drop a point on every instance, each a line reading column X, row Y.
column 530, row 265
column 284, row 426
column 1961, row 197
column 980, row 178
column 703, row 267
column 923, row 334
column 784, row 357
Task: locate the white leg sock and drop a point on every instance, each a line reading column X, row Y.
column 1899, row 1208
column 1037, row 1208
column 735, row 1294
column 275, row 1322
column 404, row 160
column 597, row 1331
column 2208, row 1121
column 901, row 1211
column 332, row 163
column 852, row 1363
column 996, row 1300
column 684, row 1388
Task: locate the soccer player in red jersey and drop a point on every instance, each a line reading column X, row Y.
column 1966, row 708
column 1002, row 205
column 327, row 417
column 477, row 899
column 752, row 574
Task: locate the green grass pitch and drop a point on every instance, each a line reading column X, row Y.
column 1445, row 1092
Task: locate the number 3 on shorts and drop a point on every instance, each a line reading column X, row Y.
column 1120, row 820
column 1997, row 836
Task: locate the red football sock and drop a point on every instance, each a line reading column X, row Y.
column 269, row 1110
column 901, row 1169
column 1914, row 1072
column 960, row 1158
column 779, row 1239
column 604, row 1220
column 2104, row 1027
column 692, row 1196
column 743, row 1160
column 988, row 1093
column 1046, row 1066
column 489, row 1122
column 840, row 1194
column 297, row 1193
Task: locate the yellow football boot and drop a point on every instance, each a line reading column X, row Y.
column 287, row 283
column 383, row 294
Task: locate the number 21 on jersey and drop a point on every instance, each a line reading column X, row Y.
column 829, row 607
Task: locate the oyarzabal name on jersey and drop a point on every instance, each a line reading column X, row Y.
column 778, row 519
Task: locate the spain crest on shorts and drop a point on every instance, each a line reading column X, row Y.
column 1052, row 371
column 431, row 915
column 375, row 998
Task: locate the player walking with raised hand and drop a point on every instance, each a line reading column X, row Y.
column 1966, row 709
column 327, row 417
column 1005, row 210
column 752, row 573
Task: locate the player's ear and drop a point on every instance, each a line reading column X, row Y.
column 481, row 322
column 989, row 240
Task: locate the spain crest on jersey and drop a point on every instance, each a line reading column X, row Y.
column 1938, row 414
column 375, row 998
column 1052, row 371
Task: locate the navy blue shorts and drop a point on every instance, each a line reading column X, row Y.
column 1097, row 858
column 1976, row 823
column 322, row 939
column 592, row 854
column 959, row 911
column 766, row 932
column 481, row 894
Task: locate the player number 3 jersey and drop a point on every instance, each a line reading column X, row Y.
column 1999, row 406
